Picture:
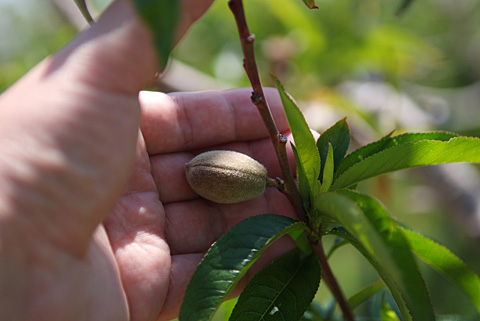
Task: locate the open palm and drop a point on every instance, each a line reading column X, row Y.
column 160, row 229
column 97, row 221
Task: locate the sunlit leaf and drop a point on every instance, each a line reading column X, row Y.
column 447, row 263
column 82, row 5
column 227, row 308
column 227, row 261
column 382, row 242
column 307, row 151
column 281, row 291
column 162, row 18
column 409, row 155
column 304, row 140
column 386, row 143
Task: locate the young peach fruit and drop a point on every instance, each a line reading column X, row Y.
column 226, row 176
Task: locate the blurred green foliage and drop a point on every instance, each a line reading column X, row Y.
column 435, row 43
column 427, row 57
column 27, row 35
column 31, row 30
column 434, row 46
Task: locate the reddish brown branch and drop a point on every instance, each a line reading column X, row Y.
column 279, row 142
column 258, row 98
column 330, row 280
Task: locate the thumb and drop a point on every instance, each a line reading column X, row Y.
column 68, row 130
column 114, row 54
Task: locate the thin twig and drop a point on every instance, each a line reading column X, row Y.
column 279, row 142
column 258, row 98
column 332, row 282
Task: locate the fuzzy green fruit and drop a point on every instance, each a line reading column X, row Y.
column 226, row 177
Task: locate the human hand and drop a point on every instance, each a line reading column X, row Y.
column 71, row 158
column 160, row 228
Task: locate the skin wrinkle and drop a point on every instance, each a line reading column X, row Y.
column 234, row 115
column 216, row 216
column 221, row 225
column 173, row 237
column 248, row 126
column 211, row 231
column 166, row 166
column 129, row 224
column 178, row 268
column 187, row 128
column 143, row 167
column 146, row 233
column 145, row 284
column 212, row 103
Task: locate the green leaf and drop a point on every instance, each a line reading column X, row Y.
column 281, row 291
column 304, row 140
column 408, row 155
column 379, row 239
column 227, row 308
column 365, row 293
column 310, row 4
column 227, row 261
column 328, row 171
column 339, row 137
column 386, row 143
column 447, row 263
column 82, row 5
column 162, row 18
column 302, row 181
column 377, row 264
column 301, row 240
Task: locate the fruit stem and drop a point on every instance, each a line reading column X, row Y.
column 278, row 183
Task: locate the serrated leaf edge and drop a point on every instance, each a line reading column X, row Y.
column 345, row 172
column 252, row 257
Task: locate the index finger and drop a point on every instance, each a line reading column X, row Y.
column 189, row 121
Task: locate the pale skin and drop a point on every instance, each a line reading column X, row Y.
column 97, row 221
